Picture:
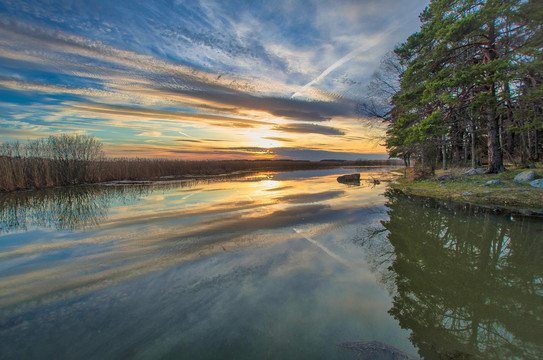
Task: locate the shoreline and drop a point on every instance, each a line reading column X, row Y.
column 503, row 197
column 486, row 208
column 183, row 178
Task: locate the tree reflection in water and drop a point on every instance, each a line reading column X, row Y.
column 77, row 207
column 467, row 283
column 69, row 208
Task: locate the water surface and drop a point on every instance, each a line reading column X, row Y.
column 275, row 265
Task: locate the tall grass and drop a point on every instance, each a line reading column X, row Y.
column 77, row 159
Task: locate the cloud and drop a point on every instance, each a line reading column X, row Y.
column 320, row 154
column 306, row 198
column 149, row 113
column 153, row 134
column 293, row 109
column 278, row 139
column 189, row 140
column 200, row 69
column 143, row 78
column 308, row 129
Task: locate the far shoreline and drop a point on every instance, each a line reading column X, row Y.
column 168, row 171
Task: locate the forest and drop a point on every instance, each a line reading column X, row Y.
column 466, row 89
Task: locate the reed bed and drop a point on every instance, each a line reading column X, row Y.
column 76, row 159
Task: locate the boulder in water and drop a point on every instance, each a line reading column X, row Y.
column 349, row 179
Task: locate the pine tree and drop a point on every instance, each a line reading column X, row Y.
column 473, row 64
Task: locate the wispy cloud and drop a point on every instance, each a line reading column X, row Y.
column 309, row 129
column 140, row 74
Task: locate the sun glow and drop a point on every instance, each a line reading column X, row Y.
column 263, row 139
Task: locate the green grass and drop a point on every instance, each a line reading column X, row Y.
column 456, row 188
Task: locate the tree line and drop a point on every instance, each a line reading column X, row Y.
column 467, row 87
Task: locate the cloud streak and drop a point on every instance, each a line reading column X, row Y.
column 140, row 74
column 308, row 129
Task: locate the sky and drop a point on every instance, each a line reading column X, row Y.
column 201, row 79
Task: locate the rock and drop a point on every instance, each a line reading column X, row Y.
column 349, row 179
column 467, row 193
column 445, row 177
column 525, row 176
column 471, row 172
column 493, row 182
column 537, row 183
column 531, row 166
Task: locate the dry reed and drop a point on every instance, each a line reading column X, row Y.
column 77, row 159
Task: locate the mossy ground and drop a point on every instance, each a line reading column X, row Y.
column 471, row 189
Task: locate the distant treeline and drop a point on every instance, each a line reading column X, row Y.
column 77, row 159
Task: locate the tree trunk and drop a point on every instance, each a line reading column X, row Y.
column 465, row 148
column 444, row 153
column 495, row 156
column 523, row 156
column 536, row 146
column 530, row 157
column 508, row 146
column 473, row 145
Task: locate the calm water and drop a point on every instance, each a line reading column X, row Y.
column 272, row 266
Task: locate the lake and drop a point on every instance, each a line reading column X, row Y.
column 289, row 265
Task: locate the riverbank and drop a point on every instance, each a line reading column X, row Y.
column 20, row 173
column 498, row 191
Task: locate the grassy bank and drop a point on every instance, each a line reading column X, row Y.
column 451, row 185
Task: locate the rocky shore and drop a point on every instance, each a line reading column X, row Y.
column 516, row 190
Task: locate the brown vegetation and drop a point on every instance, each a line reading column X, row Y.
column 76, row 159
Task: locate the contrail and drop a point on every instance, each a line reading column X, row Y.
column 331, row 68
column 351, row 55
column 323, row 248
column 184, row 134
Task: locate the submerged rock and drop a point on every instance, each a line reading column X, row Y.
column 467, row 193
column 537, row 183
column 349, row 179
column 525, row 176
